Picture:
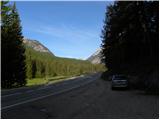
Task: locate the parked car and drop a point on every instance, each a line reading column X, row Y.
column 119, row 81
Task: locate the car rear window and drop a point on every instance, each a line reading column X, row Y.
column 120, row 77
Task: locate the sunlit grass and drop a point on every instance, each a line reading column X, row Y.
column 40, row 81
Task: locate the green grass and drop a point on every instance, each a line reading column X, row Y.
column 40, row 81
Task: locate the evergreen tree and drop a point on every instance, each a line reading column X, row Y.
column 128, row 36
column 13, row 59
column 5, row 8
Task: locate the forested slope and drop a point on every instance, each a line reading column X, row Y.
column 41, row 64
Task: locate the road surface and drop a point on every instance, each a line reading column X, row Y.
column 82, row 97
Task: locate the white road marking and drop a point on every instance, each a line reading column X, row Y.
column 38, row 98
column 29, row 91
column 3, row 96
column 13, row 89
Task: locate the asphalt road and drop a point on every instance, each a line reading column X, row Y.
column 82, row 97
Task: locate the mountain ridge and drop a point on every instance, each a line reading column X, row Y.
column 95, row 58
column 36, row 45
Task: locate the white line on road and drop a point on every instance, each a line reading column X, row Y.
column 38, row 98
column 3, row 96
column 29, row 91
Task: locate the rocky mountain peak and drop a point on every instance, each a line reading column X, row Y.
column 36, row 45
column 95, row 58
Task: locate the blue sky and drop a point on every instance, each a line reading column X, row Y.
column 68, row 29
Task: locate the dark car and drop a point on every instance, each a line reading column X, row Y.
column 119, row 81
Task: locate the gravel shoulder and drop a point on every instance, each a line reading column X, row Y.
column 95, row 100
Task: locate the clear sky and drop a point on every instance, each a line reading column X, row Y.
column 68, row 29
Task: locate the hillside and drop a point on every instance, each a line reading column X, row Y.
column 95, row 58
column 36, row 45
column 44, row 64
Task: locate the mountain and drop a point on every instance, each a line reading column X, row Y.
column 95, row 58
column 41, row 63
column 36, row 45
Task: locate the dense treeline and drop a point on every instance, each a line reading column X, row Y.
column 13, row 58
column 130, row 34
column 130, row 40
column 40, row 64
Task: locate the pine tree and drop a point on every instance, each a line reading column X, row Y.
column 6, row 76
column 128, row 36
column 13, row 58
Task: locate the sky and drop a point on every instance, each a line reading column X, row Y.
column 68, row 29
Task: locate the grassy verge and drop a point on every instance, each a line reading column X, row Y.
column 40, row 81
